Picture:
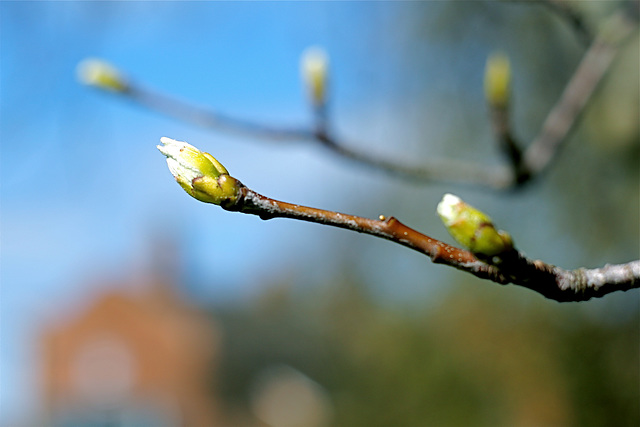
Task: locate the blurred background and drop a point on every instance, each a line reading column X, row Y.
column 126, row 303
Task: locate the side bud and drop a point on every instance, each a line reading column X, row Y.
column 497, row 80
column 314, row 66
column 472, row 228
column 199, row 173
column 101, row 74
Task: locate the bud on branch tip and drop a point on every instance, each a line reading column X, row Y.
column 497, row 80
column 199, row 173
column 314, row 67
column 472, row 228
column 101, row 74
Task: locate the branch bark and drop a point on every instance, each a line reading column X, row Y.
column 513, row 267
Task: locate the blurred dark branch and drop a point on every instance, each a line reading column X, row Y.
column 508, row 144
column 512, row 267
column 441, row 170
column 565, row 10
column 565, row 115
column 522, row 166
column 207, row 118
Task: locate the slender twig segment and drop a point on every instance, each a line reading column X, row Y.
column 569, row 285
column 205, row 179
column 497, row 86
column 213, row 120
column 523, row 166
column 565, row 115
column 389, row 228
column 565, row 10
column 509, row 267
column 440, row 170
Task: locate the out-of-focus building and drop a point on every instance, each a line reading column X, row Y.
column 138, row 354
column 131, row 359
column 133, row 356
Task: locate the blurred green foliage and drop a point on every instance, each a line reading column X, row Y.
column 467, row 360
column 476, row 354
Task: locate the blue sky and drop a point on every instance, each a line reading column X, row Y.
column 84, row 191
column 83, row 187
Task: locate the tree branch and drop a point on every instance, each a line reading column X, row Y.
column 523, row 166
column 565, row 11
column 440, row 170
column 494, row 257
column 565, row 115
column 512, row 267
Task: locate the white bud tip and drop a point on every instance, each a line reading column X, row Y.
column 178, row 158
column 314, row 59
column 172, row 148
column 96, row 72
column 168, row 146
column 446, row 206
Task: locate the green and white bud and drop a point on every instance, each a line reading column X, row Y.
column 497, row 80
column 199, row 173
column 101, row 74
column 472, row 228
column 314, row 66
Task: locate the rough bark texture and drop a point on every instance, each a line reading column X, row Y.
column 512, row 267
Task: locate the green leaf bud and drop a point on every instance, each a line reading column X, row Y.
column 314, row 66
column 497, row 80
column 199, row 173
column 101, row 74
column 472, row 228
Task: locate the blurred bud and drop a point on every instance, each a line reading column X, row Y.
column 198, row 173
column 497, row 80
column 315, row 69
column 285, row 397
column 101, row 74
column 472, row 228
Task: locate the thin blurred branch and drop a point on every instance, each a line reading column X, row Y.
column 207, row 118
column 523, row 166
column 565, row 115
column 508, row 145
column 440, row 170
column 565, row 10
column 511, row 267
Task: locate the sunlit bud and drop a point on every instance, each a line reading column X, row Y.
column 471, row 228
column 101, row 74
column 198, row 173
column 497, row 80
column 314, row 66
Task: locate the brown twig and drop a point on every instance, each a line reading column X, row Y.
column 513, row 267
